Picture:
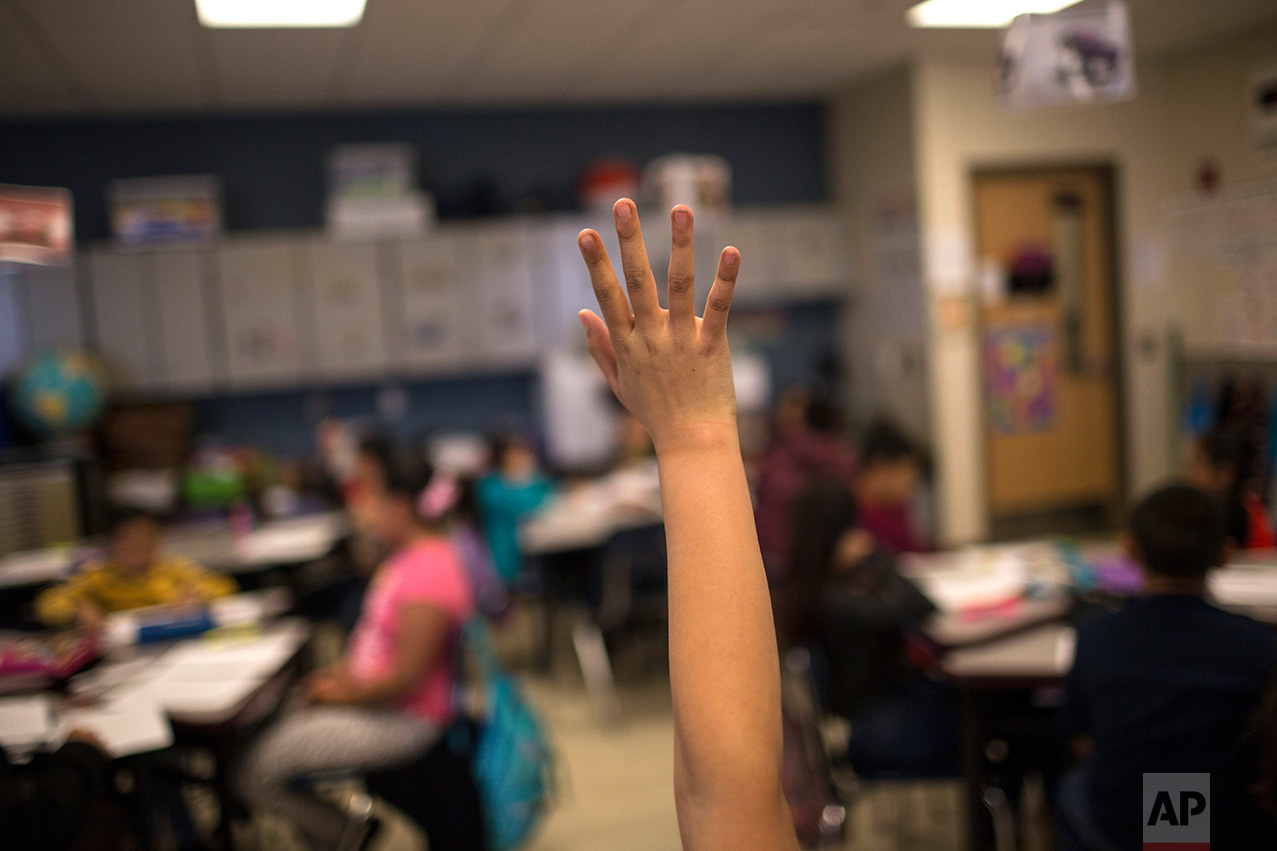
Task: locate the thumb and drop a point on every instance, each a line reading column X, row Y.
column 599, row 342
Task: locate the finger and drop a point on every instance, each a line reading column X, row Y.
column 607, row 291
column 682, row 278
column 719, row 301
column 599, row 343
column 638, row 272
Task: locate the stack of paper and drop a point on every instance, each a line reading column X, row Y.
column 25, row 722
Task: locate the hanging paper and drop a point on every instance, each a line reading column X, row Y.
column 1020, row 374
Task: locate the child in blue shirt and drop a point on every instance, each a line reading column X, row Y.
column 514, row 489
column 1167, row 684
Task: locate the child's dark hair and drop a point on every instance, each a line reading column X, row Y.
column 823, row 416
column 1236, row 447
column 123, row 516
column 377, row 448
column 886, row 442
column 823, row 511
column 1179, row 531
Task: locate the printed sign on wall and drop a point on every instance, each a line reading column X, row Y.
column 1020, row 376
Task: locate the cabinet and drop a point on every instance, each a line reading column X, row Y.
column 344, row 285
column 261, row 312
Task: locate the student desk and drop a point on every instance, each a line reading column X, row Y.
column 212, row 692
column 570, row 535
column 289, row 543
column 1004, row 655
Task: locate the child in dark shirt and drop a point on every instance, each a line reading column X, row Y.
column 1167, row 684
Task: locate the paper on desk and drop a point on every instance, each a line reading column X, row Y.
column 25, row 721
column 130, row 725
column 250, row 658
column 1244, row 586
column 1065, row 648
column 975, row 580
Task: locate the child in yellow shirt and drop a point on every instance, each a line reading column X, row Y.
column 133, row 576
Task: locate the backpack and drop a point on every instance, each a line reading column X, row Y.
column 513, row 764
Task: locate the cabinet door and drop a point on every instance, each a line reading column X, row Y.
column 124, row 320
column 52, row 299
column 499, row 273
column 427, row 324
column 815, row 253
column 181, row 297
column 345, row 292
column 12, row 339
column 560, row 284
column 261, row 312
column 760, row 238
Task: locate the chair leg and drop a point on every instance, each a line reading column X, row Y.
column 596, row 668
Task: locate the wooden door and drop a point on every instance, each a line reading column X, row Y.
column 1046, row 252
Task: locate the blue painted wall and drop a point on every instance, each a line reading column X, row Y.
column 475, row 161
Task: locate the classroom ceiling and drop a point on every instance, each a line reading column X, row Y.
column 151, row 56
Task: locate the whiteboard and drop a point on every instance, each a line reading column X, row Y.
column 345, row 290
column 52, row 300
column 261, row 312
column 122, row 319
column 181, row 300
column 427, row 325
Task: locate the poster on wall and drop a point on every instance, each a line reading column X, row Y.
column 1075, row 56
column 35, row 225
column 160, row 210
column 1020, row 364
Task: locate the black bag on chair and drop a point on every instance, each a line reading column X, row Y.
column 438, row 792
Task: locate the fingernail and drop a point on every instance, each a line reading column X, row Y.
column 585, row 240
column 584, row 324
column 680, row 218
column 623, row 212
column 730, row 258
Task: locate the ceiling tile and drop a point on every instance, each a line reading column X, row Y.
column 264, row 68
column 28, row 82
column 129, row 56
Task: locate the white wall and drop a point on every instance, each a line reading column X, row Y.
column 872, row 165
column 1188, row 107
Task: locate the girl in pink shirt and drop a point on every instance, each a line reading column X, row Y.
column 389, row 699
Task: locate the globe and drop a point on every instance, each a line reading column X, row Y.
column 59, row 392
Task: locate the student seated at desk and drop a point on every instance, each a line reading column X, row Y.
column 891, row 466
column 513, row 489
column 845, row 600
column 817, row 447
column 1225, row 462
column 1167, row 684
column 55, row 801
column 391, row 697
column 134, row 575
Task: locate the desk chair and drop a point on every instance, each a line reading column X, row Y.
column 865, row 675
column 435, row 790
column 628, row 591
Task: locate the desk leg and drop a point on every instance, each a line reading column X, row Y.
column 223, row 834
column 971, row 742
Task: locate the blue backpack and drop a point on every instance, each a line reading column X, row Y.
column 513, row 765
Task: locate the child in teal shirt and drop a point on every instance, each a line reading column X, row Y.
column 515, row 488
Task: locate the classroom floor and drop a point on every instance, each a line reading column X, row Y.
column 615, row 783
column 616, row 793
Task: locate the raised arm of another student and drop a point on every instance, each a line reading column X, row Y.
column 673, row 371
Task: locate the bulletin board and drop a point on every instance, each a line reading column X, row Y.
column 1229, row 239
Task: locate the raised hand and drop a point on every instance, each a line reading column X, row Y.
column 670, row 368
column 673, row 371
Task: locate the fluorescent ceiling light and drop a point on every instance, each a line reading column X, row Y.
column 987, row 14
column 279, row 13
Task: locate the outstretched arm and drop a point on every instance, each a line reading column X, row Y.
column 673, row 371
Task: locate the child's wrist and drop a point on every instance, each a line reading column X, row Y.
column 698, row 438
